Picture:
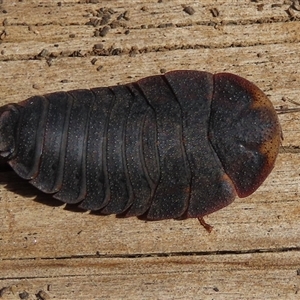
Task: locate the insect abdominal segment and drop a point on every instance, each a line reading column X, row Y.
column 164, row 147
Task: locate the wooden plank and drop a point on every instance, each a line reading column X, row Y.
column 253, row 251
column 56, row 40
column 18, row 77
column 243, row 276
column 144, row 12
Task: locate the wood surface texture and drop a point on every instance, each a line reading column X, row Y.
column 52, row 251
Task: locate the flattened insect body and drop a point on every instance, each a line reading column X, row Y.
column 178, row 145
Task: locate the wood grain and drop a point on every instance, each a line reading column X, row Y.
column 52, row 251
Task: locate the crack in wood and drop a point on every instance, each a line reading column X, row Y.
column 164, row 254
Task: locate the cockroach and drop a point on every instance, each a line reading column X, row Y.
column 179, row 145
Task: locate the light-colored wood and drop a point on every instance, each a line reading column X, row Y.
column 57, row 252
column 243, row 276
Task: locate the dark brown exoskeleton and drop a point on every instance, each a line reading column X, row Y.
column 179, row 145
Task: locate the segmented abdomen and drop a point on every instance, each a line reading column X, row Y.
column 147, row 147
